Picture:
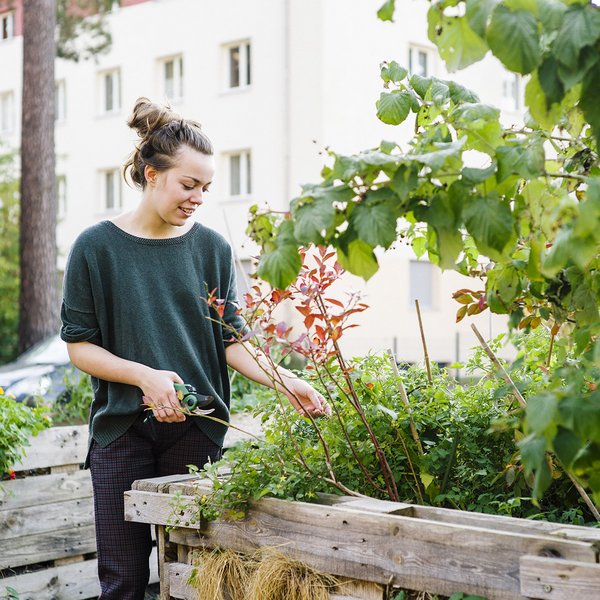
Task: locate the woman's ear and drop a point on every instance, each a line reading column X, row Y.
column 150, row 174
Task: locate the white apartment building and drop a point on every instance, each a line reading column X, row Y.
column 273, row 82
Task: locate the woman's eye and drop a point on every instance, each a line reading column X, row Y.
column 206, row 189
column 188, row 187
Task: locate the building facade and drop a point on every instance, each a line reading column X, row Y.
column 273, row 83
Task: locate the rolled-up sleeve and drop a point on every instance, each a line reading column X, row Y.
column 79, row 320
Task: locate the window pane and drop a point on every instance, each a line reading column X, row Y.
column 110, row 190
column 248, row 173
column 180, row 86
column 234, row 66
column 422, row 66
column 248, row 65
column 108, row 92
column 235, row 175
column 421, row 284
column 169, row 70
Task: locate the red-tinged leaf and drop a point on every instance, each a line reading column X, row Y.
column 270, row 328
column 320, row 332
column 256, row 289
column 464, row 299
column 473, row 309
column 482, row 303
column 535, row 322
column 461, row 292
column 304, row 310
column 555, row 329
column 335, row 320
column 336, row 334
column 309, row 367
column 329, row 255
column 308, row 321
column 334, row 301
column 349, row 326
column 460, row 313
column 221, row 309
column 281, row 329
column 525, row 322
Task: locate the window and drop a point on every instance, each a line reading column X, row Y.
column 511, row 92
column 240, row 173
column 111, row 190
column 110, row 91
column 422, row 284
column 61, row 196
column 171, row 77
column 60, row 101
column 7, row 120
column 7, row 26
column 239, row 59
column 419, row 61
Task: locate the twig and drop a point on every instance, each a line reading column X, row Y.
column 550, row 351
column 404, row 396
column 427, row 363
column 519, row 396
column 500, row 366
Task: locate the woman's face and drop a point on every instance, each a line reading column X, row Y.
column 178, row 192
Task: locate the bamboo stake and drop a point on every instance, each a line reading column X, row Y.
column 404, row 396
column 509, row 380
column 427, row 363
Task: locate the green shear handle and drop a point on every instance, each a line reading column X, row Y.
column 190, row 398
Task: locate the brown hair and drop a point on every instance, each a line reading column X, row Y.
column 162, row 133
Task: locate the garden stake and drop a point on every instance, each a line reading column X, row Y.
column 404, row 396
column 521, row 400
column 427, row 363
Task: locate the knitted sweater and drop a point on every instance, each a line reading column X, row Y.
column 145, row 300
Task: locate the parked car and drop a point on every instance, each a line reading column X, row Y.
column 39, row 372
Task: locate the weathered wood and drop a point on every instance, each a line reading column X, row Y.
column 438, row 557
column 556, row 579
column 45, row 489
column 33, row 520
column 179, row 575
column 68, row 582
column 54, row 447
column 31, row 549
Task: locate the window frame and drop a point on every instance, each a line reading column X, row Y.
column 117, row 190
column 245, row 173
column 7, row 23
column 7, row 116
column 178, row 77
column 244, row 64
column 115, row 76
column 429, row 56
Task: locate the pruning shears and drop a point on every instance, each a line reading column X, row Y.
column 190, row 399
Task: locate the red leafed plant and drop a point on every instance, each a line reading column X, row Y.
column 325, row 319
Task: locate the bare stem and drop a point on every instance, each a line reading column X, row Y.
column 427, row 363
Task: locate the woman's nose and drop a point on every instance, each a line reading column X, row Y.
column 196, row 197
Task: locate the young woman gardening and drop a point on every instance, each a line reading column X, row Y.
column 135, row 318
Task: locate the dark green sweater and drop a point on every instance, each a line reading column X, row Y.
column 144, row 300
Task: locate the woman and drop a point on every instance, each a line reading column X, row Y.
column 135, row 318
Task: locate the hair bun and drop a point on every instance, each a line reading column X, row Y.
column 147, row 117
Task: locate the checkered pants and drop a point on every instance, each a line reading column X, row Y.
column 148, row 449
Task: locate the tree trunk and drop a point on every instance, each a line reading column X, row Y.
column 38, row 301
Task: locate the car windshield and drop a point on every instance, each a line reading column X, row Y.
column 50, row 351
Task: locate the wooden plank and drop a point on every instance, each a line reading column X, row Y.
column 556, row 579
column 31, row 549
column 44, row 489
column 179, row 575
column 441, row 558
column 54, row 447
column 34, row 520
column 70, row 582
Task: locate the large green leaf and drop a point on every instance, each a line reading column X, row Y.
column 441, row 153
column 590, row 100
column 528, row 161
column 312, row 218
column 551, row 83
column 281, row 265
column 393, row 107
column 541, row 412
column 478, row 14
column 490, row 221
column 580, row 27
column 535, row 100
column 386, row 10
column 405, row 180
column 358, row 258
column 514, row 39
column 374, row 222
column 458, row 45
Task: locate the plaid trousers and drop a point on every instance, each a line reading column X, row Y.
column 148, row 449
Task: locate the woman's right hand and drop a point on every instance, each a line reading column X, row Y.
column 159, row 395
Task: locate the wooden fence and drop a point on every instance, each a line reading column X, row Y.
column 376, row 543
column 47, row 540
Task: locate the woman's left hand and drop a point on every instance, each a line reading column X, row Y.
column 305, row 399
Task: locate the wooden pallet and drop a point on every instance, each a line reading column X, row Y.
column 374, row 543
column 47, row 521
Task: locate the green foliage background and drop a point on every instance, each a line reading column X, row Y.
column 527, row 221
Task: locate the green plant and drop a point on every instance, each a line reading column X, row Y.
column 9, row 255
column 18, row 422
column 525, row 219
column 73, row 406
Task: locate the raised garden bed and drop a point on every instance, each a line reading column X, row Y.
column 379, row 544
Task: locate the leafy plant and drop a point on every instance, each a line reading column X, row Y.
column 524, row 217
column 18, row 422
column 73, row 406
